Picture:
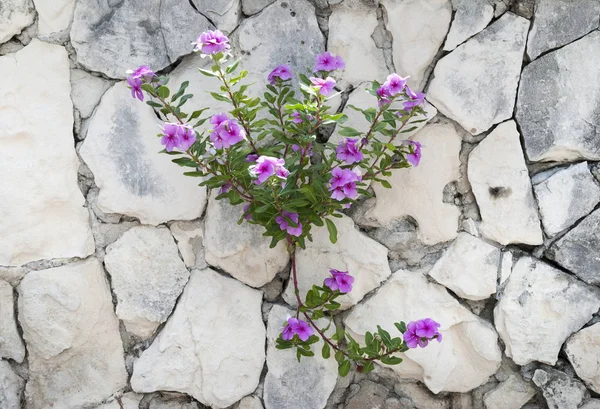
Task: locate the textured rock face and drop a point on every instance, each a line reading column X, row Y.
column 189, row 237
column 86, row 91
column 368, row 394
column 11, row 345
column 129, row 400
column 560, row 390
column 552, row 130
column 559, row 22
column 121, row 151
column 224, row 14
column 250, row 402
column 354, row 252
column 250, row 7
column 423, row 201
column 418, row 28
column 313, row 379
column 510, row 394
column 72, row 334
column 147, row 276
column 240, row 250
column 37, row 141
column 583, row 351
column 500, row 182
column 469, row 353
column 476, row 84
column 469, row 268
column 212, row 346
column 470, row 17
column 15, row 15
column 565, row 197
column 579, row 249
column 11, row 387
column 54, row 15
column 113, row 37
column 535, row 316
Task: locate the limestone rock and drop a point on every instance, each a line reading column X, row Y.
column 37, row 140
column 314, row 377
column 466, row 357
column 361, row 256
column 147, row 276
column 121, row 149
column 560, row 390
column 469, row 268
column 113, row 37
column 11, row 387
column 173, row 401
column 86, row 91
column 553, row 130
column 54, row 15
column 129, row 400
column 250, row 7
column 351, row 25
column 535, row 315
column 250, row 402
column 419, row 396
column 419, row 28
column 369, row 394
column 565, row 197
column 559, row 22
column 510, row 394
column 470, row 18
column 212, row 346
column 11, row 345
column 225, row 14
column 240, row 250
column 579, row 249
column 502, row 188
column 411, row 196
column 15, row 15
column 476, row 84
column 506, row 264
column 591, row 404
column 72, row 335
column 583, row 351
column 189, row 237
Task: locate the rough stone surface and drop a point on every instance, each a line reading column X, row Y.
column 502, row 188
column 189, row 237
column 583, row 351
column 173, row 401
column 553, row 130
column 469, row 268
column 250, row 7
column 424, row 202
column 121, row 150
column 506, row 265
column 129, row 400
column 147, row 276
column 591, row 404
column 11, row 387
column 250, row 402
column 579, row 250
column 225, row 14
column 369, row 394
column 418, row 28
column 565, row 197
column 559, row 22
column 240, row 250
column 15, row 15
column 54, row 15
column 11, row 345
column 534, row 317
column 74, row 349
column 476, row 84
column 419, row 396
column 354, row 252
column 469, row 353
column 470, row 17
column 86, row 91
column 560, row 390
column 510, row 394
column 113, row 37
column 212, row 346
column 41, row 204
column 314, row 377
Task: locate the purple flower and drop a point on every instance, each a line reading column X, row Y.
column 247, row 215
column 383, row 94
column 305, row 151
column 297, row 117
column 419, row 333
column 343, row 183
column 284, row 224
column 251, row 157
column 217, row 119
column 329, row 62
column 415, row 157
column 170, row 136
column 283, row 72
column 394, row 83
column 339, row 280
column 136, row 87
column 225, row 188
column 267, row 166
column 187, row 137
column 143, row 72
column 349, row 151
column 298, row 327
column 427, row 328
column 416, row 99
column 288, row 331
column 211, row 42
column 227, row 133
column 324, row 86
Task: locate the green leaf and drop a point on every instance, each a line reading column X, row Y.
column 385, row 337
column 148, row 88
column 385, row 184
column 208, row 73
column 347, row 131
column 339, row 356
column 369, row 366
column 154, row 104
column 306, row 352
column 368, row 338
column 391, row 360
column 332, row 231
column 344, row 368
column 219, row 97
column 163, row 92
column 326, row 352
column 401, row 326
column 194, row 174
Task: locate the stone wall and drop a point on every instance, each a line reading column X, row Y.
column 124, row 285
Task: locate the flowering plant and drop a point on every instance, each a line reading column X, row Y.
column 287, row 180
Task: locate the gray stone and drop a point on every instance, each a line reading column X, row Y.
column 470, row 17
column 54, row 15
column 314, row 378
column 553, row 130
column 11, row 387
column 15, row 15
column 75, row 353
column 560, row 390
column 11, row 345
column 591, row 404
column 250, row 7
column 250, row 402
column 565, row 197
column 113, row 37
column 476, row 84
column 583, row 352
column 147, row 276
column 419, row 396
column 369, row 394
column 559, row 22
column 535, row 315
column 510, row 394
column 225, row 14
column 129, row 400
column 189, row 237
column 86, row 91
column 173, row 402
column 579, row 249
column 212, row 346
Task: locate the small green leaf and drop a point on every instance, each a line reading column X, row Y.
column 332, row 231
column 339, row 356
column 385, row 337
column 401, row 326
column 163, row 92
column 208, row 73
column 347, row 131
column 385, row 184
column 326, row 352
column 391, row 360
column 344, row 368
